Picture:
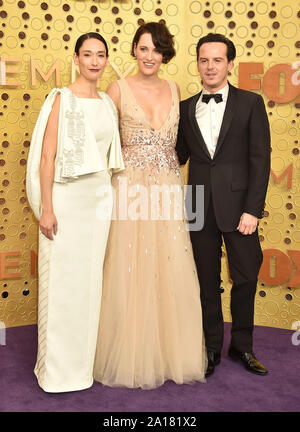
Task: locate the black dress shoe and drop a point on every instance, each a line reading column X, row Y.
column 213, row 360
column 249, row 361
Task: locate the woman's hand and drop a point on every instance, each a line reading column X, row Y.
column 48, row 224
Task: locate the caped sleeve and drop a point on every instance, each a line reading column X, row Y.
column 115, row 158
column 33, row 187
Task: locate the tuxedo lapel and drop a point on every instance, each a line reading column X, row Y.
column 227, row 118
column 195, row 126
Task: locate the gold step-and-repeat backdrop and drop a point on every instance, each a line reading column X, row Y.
column 36, row 45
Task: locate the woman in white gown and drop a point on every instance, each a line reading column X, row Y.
column 75, row 146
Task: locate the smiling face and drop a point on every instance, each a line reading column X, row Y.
column 148, row 58
column 92, row 59
column 213, row 65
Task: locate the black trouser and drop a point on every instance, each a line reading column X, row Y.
column 244, row 258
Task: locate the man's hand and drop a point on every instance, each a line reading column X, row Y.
column 248, row 224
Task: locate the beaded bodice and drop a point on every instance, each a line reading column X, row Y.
column 142, row 145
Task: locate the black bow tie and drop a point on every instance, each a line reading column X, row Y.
column 216, row 96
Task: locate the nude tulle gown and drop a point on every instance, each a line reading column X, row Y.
column 151, row 319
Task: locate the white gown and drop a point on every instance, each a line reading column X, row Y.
column 70, row 266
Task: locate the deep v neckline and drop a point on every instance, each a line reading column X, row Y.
column 144, row 113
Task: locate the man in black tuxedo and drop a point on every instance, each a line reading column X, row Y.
column 224, row 131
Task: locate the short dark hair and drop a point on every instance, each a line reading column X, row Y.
column 90, row 35
column 161, row 37
column 217, row 37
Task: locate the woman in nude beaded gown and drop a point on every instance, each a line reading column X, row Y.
column 150, row 326
column 74, row 149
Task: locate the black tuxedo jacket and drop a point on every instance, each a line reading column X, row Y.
column 237, row 177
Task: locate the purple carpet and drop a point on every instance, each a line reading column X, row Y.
column 230, row 389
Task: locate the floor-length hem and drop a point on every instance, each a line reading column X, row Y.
column 73, row 387
column 192, row 381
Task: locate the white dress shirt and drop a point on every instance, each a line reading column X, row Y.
column 209, row 117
